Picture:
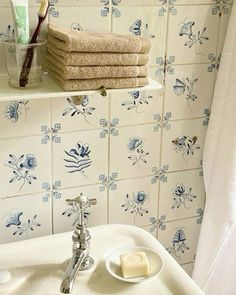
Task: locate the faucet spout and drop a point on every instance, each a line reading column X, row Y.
column 72, row 270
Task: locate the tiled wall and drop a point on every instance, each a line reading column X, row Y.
column 138, row 153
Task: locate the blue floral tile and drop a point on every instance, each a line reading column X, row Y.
column 194, row 29
column 64, row 215
column 19, row 221
column 136, row 107
column 182, row 194
column 134, row 152
column 79, row 158
column 75, row 113
column 77, row 18
column 186, row 95
column 24, row 166
column 145, row 21
column 180, row 239
column 23, row 117
column 133, row 202
column 183, row 143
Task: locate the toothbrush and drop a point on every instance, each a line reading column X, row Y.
column 42, row 14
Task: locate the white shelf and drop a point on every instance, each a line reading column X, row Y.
column 49, row 89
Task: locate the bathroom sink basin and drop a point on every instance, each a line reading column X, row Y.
column 38, row 266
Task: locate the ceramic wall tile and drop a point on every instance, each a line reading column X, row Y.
column 134, row 151
column 20, row 221
column 194, row 29
column 64, row 215
column 134, row 201
column 24, row 117
column 77, row 18
column 79, row 158
column 182, row 144
column 186, row 94
column 136, row 107
column 224, row 19
column 182, row 194
column 147, row 21
column 74, row 113
column 4, row 3
column 24, row 166
column 157, row 73
column 180, row 239
column 188, row 267
column 81, row 2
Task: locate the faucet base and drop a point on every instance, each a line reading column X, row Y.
column 87, row 263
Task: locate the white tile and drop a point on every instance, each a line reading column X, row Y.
column 194, row 29
column 180, row 238
column 82, row 2
column 136, row 107
column 188, row 268
column 24, row 166
column 24, row 117
column 144, row 21
column 133, row 202
column 77, row 18
column 186, row 93
column 182, row 194
column 183, row 143
column 4, row 3
column 79, row 158
column 64, row 215
column 79, row 112
column 19, row 221
column 134, row 151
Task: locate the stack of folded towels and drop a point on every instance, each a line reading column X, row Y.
column 86, row 61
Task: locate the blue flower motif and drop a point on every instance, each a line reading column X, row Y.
column 30, row 162
column 14, row 219
column 141, row 197
column 134, row 143
column 11, row 111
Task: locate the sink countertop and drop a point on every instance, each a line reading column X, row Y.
column 38, row 265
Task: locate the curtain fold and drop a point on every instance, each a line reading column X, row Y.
column 215, row 252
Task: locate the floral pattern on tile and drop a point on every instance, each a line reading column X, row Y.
column 24, row 166
column 19, row 221
column 133, row 202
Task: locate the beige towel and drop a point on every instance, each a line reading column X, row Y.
column 97, row 58
column 94, row 84
column 96, row 72
column 73, row 40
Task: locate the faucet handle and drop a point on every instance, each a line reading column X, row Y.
column 81, row 201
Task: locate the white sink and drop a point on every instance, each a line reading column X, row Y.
column 38, row 265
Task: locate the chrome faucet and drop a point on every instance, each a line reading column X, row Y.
column 81, row 239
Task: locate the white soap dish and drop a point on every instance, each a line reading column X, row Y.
column 114, row 268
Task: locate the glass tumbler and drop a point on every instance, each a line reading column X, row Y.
column 25, row 63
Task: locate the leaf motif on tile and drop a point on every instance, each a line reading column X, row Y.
column 79, row 105
column 79, row 158
column 21, row 168
column 20, row 227
column 221, row 7
column 136, row 101
column 76, row 26
column 185, row 145
column 8, row 34
column 15, row 109
column 179, row 244
column 157, row 223
column 137, row 153
column 185, row 88
column 182, row 196
column 138, row 29
column 135, row 204
column 194, row 38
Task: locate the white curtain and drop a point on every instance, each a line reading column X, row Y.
column 215, row 266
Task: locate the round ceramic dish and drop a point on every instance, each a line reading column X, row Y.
column 114, row 268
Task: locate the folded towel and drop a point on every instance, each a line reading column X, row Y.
column 94, row 84
column 95, row 72
column 97, row 58
column 73, row 40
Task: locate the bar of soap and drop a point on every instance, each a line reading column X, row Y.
column 134, row 264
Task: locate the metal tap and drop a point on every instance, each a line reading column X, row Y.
column 81, row 239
